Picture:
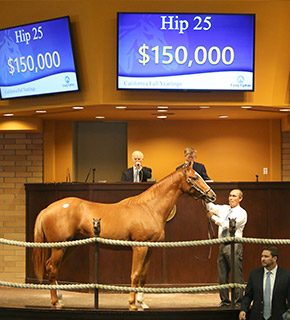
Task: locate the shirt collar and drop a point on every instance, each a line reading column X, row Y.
column 235, row 208
column 273, row 271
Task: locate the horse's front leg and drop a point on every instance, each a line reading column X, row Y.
column 52, row 268
column 139, row 256
column 143, row 278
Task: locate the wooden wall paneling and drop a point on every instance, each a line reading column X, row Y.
column 266, row 204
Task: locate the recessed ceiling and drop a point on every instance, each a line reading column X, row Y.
column 147, row 112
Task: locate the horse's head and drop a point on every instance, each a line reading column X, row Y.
column 195, row 185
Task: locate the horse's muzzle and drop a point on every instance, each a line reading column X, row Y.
column 210, row 196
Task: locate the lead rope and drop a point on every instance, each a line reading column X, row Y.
column 210, row 229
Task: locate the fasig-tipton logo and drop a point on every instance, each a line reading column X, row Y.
column 67, row 83
column 240, row 79
column 240, row 83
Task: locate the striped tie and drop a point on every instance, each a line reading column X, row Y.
column 136, row 175
column 267, row 303
column 225, row 232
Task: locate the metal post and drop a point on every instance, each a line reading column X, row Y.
column 232, row 234
column 97, row 230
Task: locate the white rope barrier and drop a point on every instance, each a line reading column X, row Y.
column 133, row 243
column 120, row 288
column 142, row 244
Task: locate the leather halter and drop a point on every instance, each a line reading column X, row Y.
column 195, row 187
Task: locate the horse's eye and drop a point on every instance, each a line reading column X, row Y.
column 195, row 178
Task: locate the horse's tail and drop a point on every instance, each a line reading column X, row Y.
column 39, row 255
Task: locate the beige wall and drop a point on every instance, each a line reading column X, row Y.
column 234, row 150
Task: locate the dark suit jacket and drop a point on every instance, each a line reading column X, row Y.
column 145, row 174
column 254, row 292
column 199, row 168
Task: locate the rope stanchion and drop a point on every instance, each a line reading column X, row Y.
column 263, row 241
column 48, row 244
column 134, row 243
column 121, row 288
column 140, row 243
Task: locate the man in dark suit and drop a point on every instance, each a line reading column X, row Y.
column 137, row 173
column 190, row 155
column 271, row 276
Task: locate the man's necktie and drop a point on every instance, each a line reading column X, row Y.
column 267, row 295
column 136, row 175
column 225, row 230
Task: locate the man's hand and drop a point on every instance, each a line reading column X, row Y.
column 206, row 206
column 242, row 315
column 210, row 214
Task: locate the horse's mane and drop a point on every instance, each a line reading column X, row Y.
column 155, row 189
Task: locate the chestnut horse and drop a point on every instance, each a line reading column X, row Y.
column 139, row 218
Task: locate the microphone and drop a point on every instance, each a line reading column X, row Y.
column 67, row 179
column 88, row 175
column 94, row 170
column 138, row 165
column 257, row 178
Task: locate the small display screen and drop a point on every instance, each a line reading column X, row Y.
column 37, row 59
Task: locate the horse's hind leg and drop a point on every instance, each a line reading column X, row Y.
column 139, row 256
column 52, row 268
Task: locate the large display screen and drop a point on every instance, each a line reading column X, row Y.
column 178, row 51
column 37, row 59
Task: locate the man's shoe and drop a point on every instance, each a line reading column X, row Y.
column 224, row 304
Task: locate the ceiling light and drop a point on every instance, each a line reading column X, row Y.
column 162, row 107
column 162, row 110
column 284, row 110
column 223, row 116
column 78, row 108
column 204, row 107
column 40, row 111
column 99, row 117
column 162, row 117
column 121, row 107
column 8, row 114
column 246, row 107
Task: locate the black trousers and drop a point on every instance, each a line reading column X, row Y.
column 224, row 269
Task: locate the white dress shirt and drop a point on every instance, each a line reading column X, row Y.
column 222, row 215
column 272, row 281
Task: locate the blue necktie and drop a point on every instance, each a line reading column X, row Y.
column 267, row 304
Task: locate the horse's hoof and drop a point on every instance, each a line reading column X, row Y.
column 132, row 307
column 57, row 305
column 143, row 305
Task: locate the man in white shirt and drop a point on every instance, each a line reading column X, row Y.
column 268, row 288
column 221, row 215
